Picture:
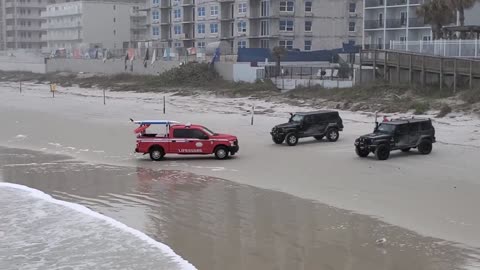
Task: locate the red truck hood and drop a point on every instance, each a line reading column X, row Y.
column 224, row 136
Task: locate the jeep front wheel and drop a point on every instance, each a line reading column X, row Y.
column 221, row 152
column 382, row 152
column 362, row 152
column 332, row 135
column 292, row 139
column 156, row 153
column 425, row 147
column 278, row 140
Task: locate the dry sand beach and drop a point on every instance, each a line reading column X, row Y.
column 270, row 207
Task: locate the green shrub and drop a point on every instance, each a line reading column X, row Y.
column 444, row 111
column 420, row 107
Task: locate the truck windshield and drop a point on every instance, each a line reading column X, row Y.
column 296, row 118
column 386, row 128
column 209, row 131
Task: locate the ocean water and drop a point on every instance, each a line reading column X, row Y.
column 40, row 232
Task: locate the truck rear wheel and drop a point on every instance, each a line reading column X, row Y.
column 332, row 135
column 292, row 139
column 425, row 147
column 382, row 152
column 221, row 152
column 156, row 153
column 362, row 152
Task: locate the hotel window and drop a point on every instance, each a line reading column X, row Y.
column 308, row 45
column 156, row 2
column 242, row 44
column 177, row 13
column 155, row 31
column 308, row 26
column 286, row 25
column 242, row 27
column 177, row 29
column 201, row 28
column 214, row 28
column 213, row 10
column 308, row 6
column 242, row 8
column 201, row 12
column 155, row 15
column 352, row 7
column 201, row 44
column 351, row 26
column 287, row 6
column 287, row 44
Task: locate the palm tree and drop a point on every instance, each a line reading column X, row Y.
column 437, row 13
column 277, row 53
column 460, row 6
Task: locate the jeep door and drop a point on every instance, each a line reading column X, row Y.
column 307, row 126
column 414, row 133
column 321, row 123
column 402, row 138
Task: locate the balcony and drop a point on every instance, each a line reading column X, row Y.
column 417, row 22
column 49, row 26
column 373, row 24
column 396, row 2
column 66, row 12
column 374, row 3
column 396, row 23
column 138, row 13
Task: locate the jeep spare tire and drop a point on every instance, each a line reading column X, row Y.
column 332, row 135
column 425, row 147
column 221, row 152
column 382, row 152
column 291, row 139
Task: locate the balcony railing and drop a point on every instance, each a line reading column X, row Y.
column 396, row 2
column 416, row 22
column 396, row 23
column 447, row 48
column 373, row 24
column 374, row 3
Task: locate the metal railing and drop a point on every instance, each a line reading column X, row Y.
column 446, row 48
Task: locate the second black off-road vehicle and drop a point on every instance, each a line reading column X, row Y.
column 317, row 124
column 399, row 134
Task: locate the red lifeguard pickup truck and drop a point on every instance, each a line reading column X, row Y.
column 183, row 139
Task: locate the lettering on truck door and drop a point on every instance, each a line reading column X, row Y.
column 180, row 143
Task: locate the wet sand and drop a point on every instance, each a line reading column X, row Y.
column 218, row 224
column 433, row 195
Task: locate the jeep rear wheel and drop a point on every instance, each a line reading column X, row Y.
column 332, row 135
column 362, row 152
column 425, row 147
column 382, row 152
column 318, row 138
column 278, row 140
column 221, row 152
column 292, row 139
column 156, row 153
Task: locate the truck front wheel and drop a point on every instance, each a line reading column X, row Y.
column 156, row 153
column 221, row 152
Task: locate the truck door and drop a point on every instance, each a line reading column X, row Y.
column 180, row 142
column 201, row 141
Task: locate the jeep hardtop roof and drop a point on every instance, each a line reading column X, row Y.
column 406, row 121
column 316, row 112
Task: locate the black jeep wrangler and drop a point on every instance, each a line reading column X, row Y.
column 317, row 124
column 400, row 134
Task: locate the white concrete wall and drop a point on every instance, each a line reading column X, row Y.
column 22, row 62
column 289, row 84
column 112, row 66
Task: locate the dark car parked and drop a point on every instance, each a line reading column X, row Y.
column 400, row 134
column 317, row 124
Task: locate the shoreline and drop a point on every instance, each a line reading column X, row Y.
column 305, row 232
column 357, row 188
